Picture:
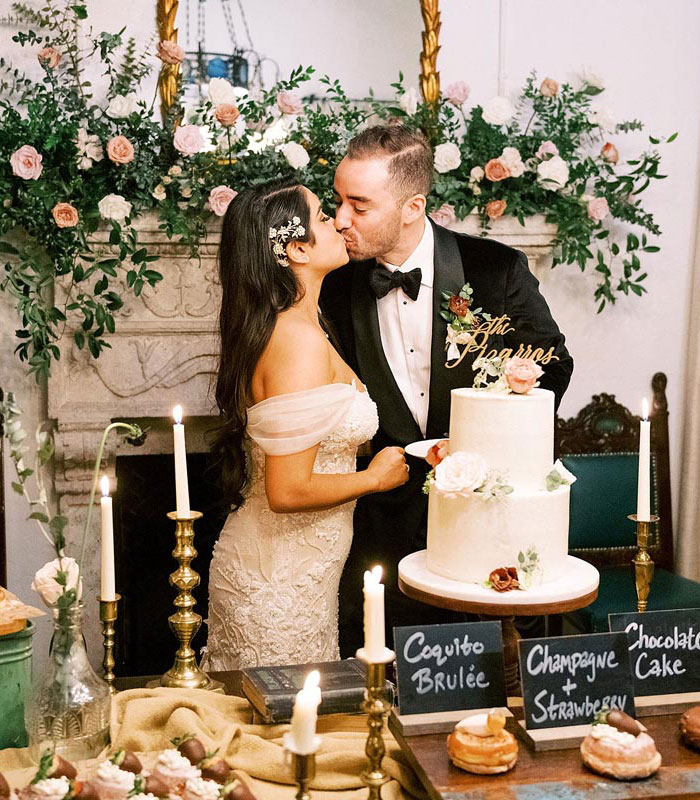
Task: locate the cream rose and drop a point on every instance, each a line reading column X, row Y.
column 590, row 78
column 159, row 192
column 547, row 148
column 598, row 208
column 604, row 119
column 121, row 106
column 226, row 114
column 48, row 588
column 120, row 150
column 409, row 101
column 522, row 374
column 26, row 163
column 497, row 111
column 553, row 174
column 65, row 215
column 457, row 93
column 513, row 160
column 170, row 52
column 295, row 154
column 114, row 206
column 495, row 209
column 188, row 139
column 49, row 57
column 89, row 148
column 447, row 157
column 549, row 87
column 290, row 103
column 496, row 170
column 219, row 199
column 460, row 473
column 221, row 91
column 476, row 174
column 445, row 215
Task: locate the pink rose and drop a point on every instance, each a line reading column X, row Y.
column 188, row 140
column 290, row 103
column 495, row 209
column 522, row 374
column 457, row 93
column 549, row 87
column 49, row 57
column 120, row 150
column 170, row 52
column 445, row 215
column 547, row 148
column 220, row 198
column 26, row 163
column 65, row 215
column 609, row 153
column 226, row 114
column 598, row 208
column 496, row 170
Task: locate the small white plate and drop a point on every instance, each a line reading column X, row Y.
column 420, row 449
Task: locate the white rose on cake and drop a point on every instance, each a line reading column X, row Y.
column 460, row 473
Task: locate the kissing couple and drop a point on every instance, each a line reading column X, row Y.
column 331, row 336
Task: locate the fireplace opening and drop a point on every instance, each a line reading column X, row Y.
column 144, row 540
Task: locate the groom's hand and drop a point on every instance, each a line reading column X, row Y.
column 389, row 468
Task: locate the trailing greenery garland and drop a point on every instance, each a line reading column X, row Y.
column 69, row 164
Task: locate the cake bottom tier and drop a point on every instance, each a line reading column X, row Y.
column 469, row 537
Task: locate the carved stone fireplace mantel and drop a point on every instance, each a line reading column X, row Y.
column 164, row 352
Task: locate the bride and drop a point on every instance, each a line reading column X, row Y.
column 293, row 414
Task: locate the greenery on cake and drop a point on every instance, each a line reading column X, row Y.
column 505, row 375
column 559, row 476
column 528, row 566
column 504, row 579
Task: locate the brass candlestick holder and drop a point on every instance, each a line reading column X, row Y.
column 376, row 705
column 303, row 766
column 108, row 616
column 643, row 563
column 185, row 674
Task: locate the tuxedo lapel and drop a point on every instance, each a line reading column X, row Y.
column 395, row 417
column 448, row 277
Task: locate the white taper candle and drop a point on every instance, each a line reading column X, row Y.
column 107, row 583
column 643, row 480
column 182, row 491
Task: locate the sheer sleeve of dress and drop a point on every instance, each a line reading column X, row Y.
column 294, row 422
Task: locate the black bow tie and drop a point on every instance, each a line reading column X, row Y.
column 381, row 281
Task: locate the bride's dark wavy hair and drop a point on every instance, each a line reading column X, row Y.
column 255, row 288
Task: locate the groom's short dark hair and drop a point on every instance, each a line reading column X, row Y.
column 409, row 152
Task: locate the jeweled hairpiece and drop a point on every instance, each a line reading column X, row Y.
column 280, row 237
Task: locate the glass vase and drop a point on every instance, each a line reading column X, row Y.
column 68, row 707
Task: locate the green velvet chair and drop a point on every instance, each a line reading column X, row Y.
column 600, row 446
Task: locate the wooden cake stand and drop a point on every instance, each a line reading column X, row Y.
column 576, row 588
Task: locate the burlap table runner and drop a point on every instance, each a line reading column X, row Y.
column 145, row 720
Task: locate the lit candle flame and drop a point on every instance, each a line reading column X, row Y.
column 313, row 679
column 645, row 409
column 377, row 573
column 104, row 485
column 177, row 415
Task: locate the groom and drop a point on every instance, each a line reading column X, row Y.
column 385, row 311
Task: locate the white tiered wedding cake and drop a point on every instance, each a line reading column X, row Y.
column 497, row 501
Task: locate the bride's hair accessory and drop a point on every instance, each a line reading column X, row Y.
column 280, row 237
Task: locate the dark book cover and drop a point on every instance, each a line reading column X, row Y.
column 272, row 690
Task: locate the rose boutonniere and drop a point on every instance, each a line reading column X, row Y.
column 462, row 319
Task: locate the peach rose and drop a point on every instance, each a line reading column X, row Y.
column 522, row 374
column 496, row 170
column 495, row 209
column 549, row 87
column 609, row 153
column 598, row 208
column 290, row 103
column 120, row 150
column 65, row 215
column 26, row 163
column 188, row 140
column 49, row 57
column 226, row 114
column 445, row 215
column 170, row 52
column 220, row 198
column 438, row 452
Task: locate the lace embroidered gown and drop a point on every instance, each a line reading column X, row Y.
column 273, row 580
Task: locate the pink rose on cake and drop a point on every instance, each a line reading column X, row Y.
column 522, row 374
column 460, row 473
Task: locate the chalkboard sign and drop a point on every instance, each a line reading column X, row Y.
column 449, row 667
column 664, row 649
column 568, row 679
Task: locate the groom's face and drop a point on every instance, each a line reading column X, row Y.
column 368, row 213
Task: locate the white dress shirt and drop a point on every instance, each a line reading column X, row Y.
column 406, row 329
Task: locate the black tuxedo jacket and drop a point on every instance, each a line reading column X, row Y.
column 391, row 525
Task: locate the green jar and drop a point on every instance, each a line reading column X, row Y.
column 15, row 682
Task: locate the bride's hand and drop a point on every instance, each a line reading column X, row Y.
column 389, row 467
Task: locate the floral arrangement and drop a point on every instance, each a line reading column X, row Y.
column 462, row 319
column 465, row 474
column 514, row 374
column 505, row 579
column 70, row 163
